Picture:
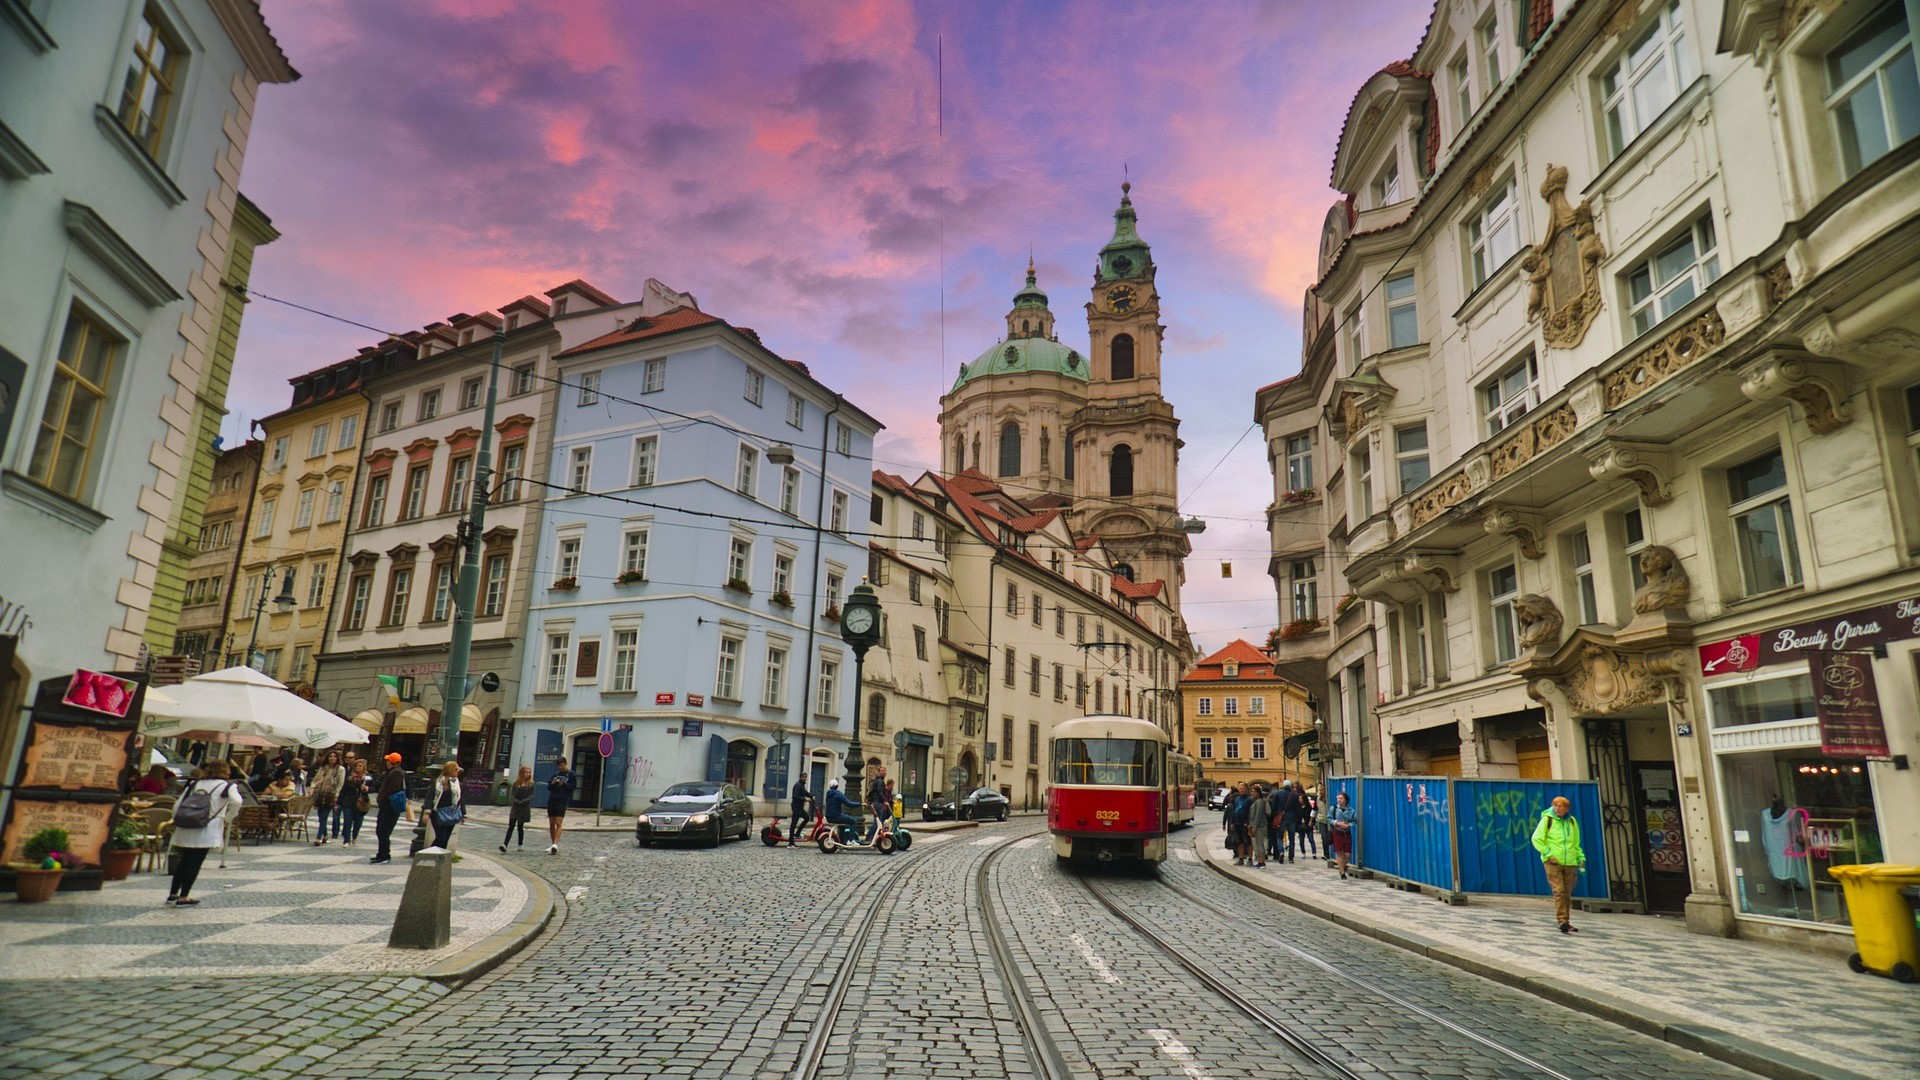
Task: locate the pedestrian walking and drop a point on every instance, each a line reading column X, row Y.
column 1557, row 839
column 1258, row 815
column 325, row 784
column 1340, row 824
column 355, row 801
column 801, row 797
column 876, row 795
column 1238, row 807
column 447, row 811
column 391, row 802
column 559, row 793
column 199, row 826
column 519, row 808
column 1309, row 810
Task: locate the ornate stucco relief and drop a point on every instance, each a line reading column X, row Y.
column 1563, row 271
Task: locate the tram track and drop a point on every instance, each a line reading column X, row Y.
column 1307, row 1043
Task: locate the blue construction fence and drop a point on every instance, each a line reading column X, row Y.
column 1467, row 836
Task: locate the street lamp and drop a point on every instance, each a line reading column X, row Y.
column 860, row 629
column 284, row 603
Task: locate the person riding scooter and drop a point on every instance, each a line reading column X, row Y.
column 837, row 804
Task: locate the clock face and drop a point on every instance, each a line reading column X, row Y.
column 1121, row 298
column 857, row 620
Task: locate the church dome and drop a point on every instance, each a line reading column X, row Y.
column 1024, row 355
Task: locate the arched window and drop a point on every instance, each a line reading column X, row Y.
column 741, row 756
column 1066, row 447
column 1122, row 356
column 1124, row 570
column 1010, row 449
column 959, row 453
column 1120, row 472
column 1026, row 327
column 877, row 713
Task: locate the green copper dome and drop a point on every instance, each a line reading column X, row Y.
column 1126, row 255
column 1024, row 355
column 1031, row 296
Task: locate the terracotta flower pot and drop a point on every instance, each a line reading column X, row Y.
column 116, row 864
column 35, row 885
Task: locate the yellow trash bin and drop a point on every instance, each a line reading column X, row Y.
column 1883, row 922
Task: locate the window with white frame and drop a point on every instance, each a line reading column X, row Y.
column 389, row 416
column 1418, row 645
column 1872, row 89
column 317, row 585
column 1386, row 184
column 317, row 440
column 568, row 565
column 1203, row 706
column 1304, row 588
column 349, row 433
column 1233, row 748
column 1403, row 314
column 1259, row 748
column 843, row 439
column 1257, row 705
column 470, row 393
column 513, row 461
column 1633, row 530
column 559, row 650
column 1580, row 555
column 523, row 379
column 1652, row 70
column 1230, row 706
column 1762, row 515
column 1511, row 394
column 581, row 472
column 418, row 476
column 1363, row 483
column 626, row 659
column 1493, row 233
column 837, row 514
column 589, row 388
column 739, row 559
column 726, row 674
column 303, row 509
column 827, row 691
column 1410, row 456
column 773, row 693
column 336, row 501
column 1669, row 279
column 1486, row 38
column 429, row 404
column 756, row 386
column 743, row 474
column 302, row 656
column 796, row 409
column 836, row 583
column 495, row 600
column 1206, row 747
column 646, row 460
column 1299, row 462
column 633, row 552
column 790, row 490
column 264, row 523
column 399, row 595
column 357, row 601
column 1460, row 83
column 654, row 377
column 1503, row 588
column 459, row 483
column 442, row 603
column 1356, row 324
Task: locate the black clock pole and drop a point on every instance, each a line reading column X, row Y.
column 860, row 629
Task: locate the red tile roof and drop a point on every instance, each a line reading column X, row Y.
column 1254, row 664
column 1085, row 543
column 1033, row 522
column 973, row 482
column 534, row 304
column 584, row 289
column 1134, row 590
column 680, row 318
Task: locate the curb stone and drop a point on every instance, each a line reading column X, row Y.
column 494, row 949
column 1723, row 1046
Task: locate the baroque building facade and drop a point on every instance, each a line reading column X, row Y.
column 1243, row 721
column 1603, row 439
column 201, row 636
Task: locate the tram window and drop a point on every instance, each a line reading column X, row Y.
column 1109, row 762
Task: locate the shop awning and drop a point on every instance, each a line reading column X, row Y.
column 369, row 720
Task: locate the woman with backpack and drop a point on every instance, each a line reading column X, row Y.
column 445, row 800
column 199, row 826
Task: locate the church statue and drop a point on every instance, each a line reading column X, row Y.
column 1667, row 583
column 1540, row 622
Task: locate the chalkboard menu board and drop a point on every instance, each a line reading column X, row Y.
column 76, row 764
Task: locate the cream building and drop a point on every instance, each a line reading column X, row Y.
column 201, row 636
column 1243, row 722
column 1606, row 418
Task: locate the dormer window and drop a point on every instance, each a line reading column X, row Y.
column 1386, row 186
column 559, row 305
column 1230, row 669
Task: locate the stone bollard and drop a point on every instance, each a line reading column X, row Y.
column 426, row 908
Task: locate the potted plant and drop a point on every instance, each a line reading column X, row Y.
column 38, row 878
column 832, row 614
column 630, row 577
column 783, row 598
column 1346, row 603
column 123, row 849
column 739, row 585
column 565, row 584
column 1298, row 628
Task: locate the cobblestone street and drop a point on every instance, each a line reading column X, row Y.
column 750, row 962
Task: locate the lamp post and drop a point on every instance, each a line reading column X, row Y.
column 284, row 602
column 860, row 629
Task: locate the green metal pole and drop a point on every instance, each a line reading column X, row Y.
column 468, row 588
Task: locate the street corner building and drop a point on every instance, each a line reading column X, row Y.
column 123, row 131
column 1604, row 439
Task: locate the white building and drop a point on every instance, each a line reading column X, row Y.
column 1605, row 422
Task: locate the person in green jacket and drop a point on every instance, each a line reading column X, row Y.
column 1557, row 839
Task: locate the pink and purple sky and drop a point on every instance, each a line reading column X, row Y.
column 787, row 164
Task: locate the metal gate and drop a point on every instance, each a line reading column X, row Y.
column 1619, row 829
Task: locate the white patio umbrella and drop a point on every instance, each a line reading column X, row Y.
column 239, row 701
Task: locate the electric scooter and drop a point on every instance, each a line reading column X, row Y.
column 836, row 837
column 809, row 832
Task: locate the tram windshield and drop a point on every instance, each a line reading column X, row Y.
column 1111, row 762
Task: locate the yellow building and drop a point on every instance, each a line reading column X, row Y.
column 1236, row 716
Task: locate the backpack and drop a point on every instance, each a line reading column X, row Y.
column 196, row 810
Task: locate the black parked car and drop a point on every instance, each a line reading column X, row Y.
column 702, row 810
column 981, row 804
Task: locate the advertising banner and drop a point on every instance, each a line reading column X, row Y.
column 1848, row 705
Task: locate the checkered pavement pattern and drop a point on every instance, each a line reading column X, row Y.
column 274, row 909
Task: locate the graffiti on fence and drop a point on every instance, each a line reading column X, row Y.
column 1425, row 805
column 1505, row 819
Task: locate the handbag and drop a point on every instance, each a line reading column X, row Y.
column 363, row 804
column 397, row 800
column 448, row 816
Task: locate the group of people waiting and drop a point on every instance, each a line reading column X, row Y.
column 1264, row 822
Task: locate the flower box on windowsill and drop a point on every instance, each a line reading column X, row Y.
column 739, row 585
column 1298, row 629
column 565, row 584
column 832, row 614
column 1303, row 495
column 630, row 577
column 1347, row 603
column 781, row 599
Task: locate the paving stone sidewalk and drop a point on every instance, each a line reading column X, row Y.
column 1631, row 968
column 276, row 909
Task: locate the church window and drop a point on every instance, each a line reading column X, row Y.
column 1067, row 449
column 1123, row 356
column 1010, row 449
column 1026, row 327
column 1124, row 570
column 959, row 453
column 1120, row 472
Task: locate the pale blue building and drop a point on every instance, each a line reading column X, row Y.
column 691, row 564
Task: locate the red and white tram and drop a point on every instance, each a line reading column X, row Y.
column 1117, row 789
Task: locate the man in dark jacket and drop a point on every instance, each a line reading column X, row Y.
column 388, row 807
column 837, row 807
column 1287, row 817
column 801, row 797
column 560, row 788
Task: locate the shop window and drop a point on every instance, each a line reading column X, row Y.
column 1872, row 89
column 1762, row 514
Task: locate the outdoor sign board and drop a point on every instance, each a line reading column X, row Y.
column 1854, row 630
column 1848, row 705
column 696, row 700
column 663, row 699
column 76, row 761
column 692, row 729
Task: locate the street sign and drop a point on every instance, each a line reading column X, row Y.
column 489, row 682
column 692, row 729
column 663, row 699
column 991, row 747
column 606, row 724
column 606, row 744
column 696, row 700
column 955, row 777
column 899, row 742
